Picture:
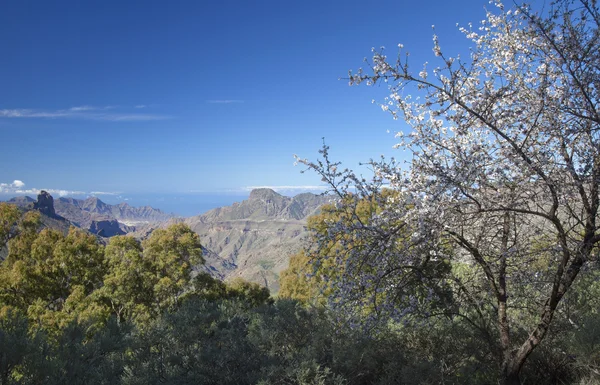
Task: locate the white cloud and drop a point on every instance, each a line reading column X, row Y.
column 141, row 106
column 11, row 187
column 17, row 188
column 64, row 193
column 224, row 101
column 17, row 183
column 81, row 112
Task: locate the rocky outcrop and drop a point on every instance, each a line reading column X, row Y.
column 45, row 205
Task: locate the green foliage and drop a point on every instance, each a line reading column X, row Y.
column 73, row 311
column 51, row 277
column 248, row 293
column 171, row 253
column 203, row 342
column 316, row 273
column 9, row 214
column 15, row 344
column 129, row 282
column 305, row 281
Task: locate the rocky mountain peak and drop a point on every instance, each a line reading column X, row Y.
column 94, row 202
column 263, row 194
column 21, row 201
column 45, row 204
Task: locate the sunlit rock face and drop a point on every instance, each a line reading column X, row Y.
column 255, row 238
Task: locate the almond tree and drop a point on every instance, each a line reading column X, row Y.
column 503, row 178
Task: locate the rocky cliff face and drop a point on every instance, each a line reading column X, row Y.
column 254, row 239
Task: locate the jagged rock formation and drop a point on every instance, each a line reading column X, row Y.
column 255, row 238
column 45, row 205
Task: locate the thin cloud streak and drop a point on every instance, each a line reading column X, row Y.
column 105, row 193
column 90, row 108
column 224, row 101
column 81, row 112
column 132, row 117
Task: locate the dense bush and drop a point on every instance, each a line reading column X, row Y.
column 73, row 311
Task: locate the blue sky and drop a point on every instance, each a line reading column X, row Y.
column 211, row 96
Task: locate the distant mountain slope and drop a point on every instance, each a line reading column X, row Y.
column 108, row 220
column 94, row 215
column 121, row 212
column 21, row 201
column 266, row 204
column 255, row 238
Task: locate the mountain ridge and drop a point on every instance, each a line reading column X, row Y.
column 94, row 215
column 255, row 238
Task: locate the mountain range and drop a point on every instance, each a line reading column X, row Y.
column 252, row 239
column 94, row 215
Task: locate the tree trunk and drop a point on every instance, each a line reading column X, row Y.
column 511, row 377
